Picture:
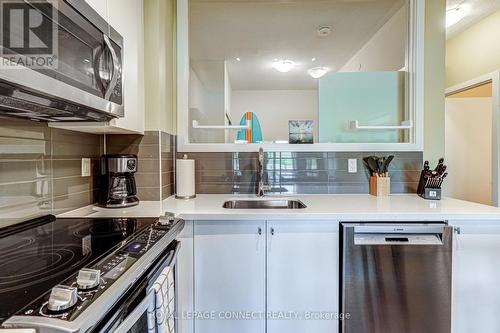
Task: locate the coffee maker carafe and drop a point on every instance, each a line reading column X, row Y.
column 117, row 182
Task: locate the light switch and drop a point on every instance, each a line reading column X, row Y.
column 85, row 167
column 353, row 165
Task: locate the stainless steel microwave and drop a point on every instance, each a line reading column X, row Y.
column 60, row 61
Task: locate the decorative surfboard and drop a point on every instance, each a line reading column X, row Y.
column 252, row 134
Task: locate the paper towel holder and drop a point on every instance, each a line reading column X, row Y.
column 185, row 157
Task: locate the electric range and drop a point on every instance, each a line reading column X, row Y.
column 61, row 272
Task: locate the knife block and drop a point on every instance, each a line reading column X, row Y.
column 380, row 186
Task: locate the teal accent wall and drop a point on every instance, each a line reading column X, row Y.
column 372, row 98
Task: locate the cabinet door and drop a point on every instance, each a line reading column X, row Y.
column 126, row 17
column 185, row 280
column 230, row 283
column 100, row 6
column 303, row 276
column 476, row 272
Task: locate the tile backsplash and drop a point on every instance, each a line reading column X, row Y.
column 300, row 172
column 40, row 169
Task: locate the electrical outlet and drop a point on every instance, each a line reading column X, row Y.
column 352, row 165
column 85, row 167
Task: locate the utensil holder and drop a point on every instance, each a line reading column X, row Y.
column 380, row 186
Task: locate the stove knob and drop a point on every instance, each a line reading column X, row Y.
column 62, row 298
column 88, row 278
column 166, row 221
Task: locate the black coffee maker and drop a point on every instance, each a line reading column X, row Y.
column 117, row 182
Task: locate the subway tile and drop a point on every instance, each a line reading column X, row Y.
column 405, row 176
column 349, row 188
column 214, row 176
column 23, row 148
column 300, row 164
column 142, row 151
column 167, row 178
column 216, row 164
column 69, row 150
column 167, row 165
column 398, row 188
column 147, row 179
column 71, row 201
column 12, row 171
column 148, row 165
column 305, row 188
column 214, row 188
column 72, row 167
column 344, row 176
column 290, row 177
column 71, row 185
column 18, row 128
column 307, row 155
column 35, row 190
column 167, row 191
column 149, row 193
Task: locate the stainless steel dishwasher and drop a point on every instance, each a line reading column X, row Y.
column 396, row 278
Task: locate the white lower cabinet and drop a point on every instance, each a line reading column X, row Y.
column 229, row 276
column 476, row 273
column 302, row 277
column 257, row 276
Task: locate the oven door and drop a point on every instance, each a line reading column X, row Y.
column 131, row 313
column 87, row 65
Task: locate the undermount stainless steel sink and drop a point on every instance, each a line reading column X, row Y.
column 264, row 204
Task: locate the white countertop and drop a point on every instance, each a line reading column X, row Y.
column 346, row 207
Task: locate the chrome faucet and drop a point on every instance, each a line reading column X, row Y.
column 261, row 190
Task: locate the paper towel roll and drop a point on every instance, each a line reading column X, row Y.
column 185, row 178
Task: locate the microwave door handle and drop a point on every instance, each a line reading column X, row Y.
column 147, row 305
column 116, row 69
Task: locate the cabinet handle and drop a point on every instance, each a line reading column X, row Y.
column 259, row 231
column 272, row 231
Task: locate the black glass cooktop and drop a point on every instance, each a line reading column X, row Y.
column 38, row 254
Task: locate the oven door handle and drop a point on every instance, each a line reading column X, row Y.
column 116, row 69
column 147, row 305
column 172, row 255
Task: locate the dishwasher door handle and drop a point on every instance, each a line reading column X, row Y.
column 397, row 239
column 428, row 228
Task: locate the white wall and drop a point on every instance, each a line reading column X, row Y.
column 386, row 50
column 275, row 108
column 469, row 148
column 207, row 107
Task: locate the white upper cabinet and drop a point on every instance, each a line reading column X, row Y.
column 348, row 78
column 100, row 6
column 126, row 17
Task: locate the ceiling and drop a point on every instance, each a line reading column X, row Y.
column 259, row 31
column 479, row 9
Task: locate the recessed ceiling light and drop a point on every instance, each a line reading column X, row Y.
column 283, row 65
column 318, row 72
column 324, row 30
column 313, row 59
column 238, row 59
column 455, row 15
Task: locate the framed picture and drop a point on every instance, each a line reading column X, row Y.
column 300, row 131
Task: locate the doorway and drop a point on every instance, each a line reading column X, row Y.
column 471, row 140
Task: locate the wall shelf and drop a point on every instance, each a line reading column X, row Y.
column 354, row 125
column 221, row 127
